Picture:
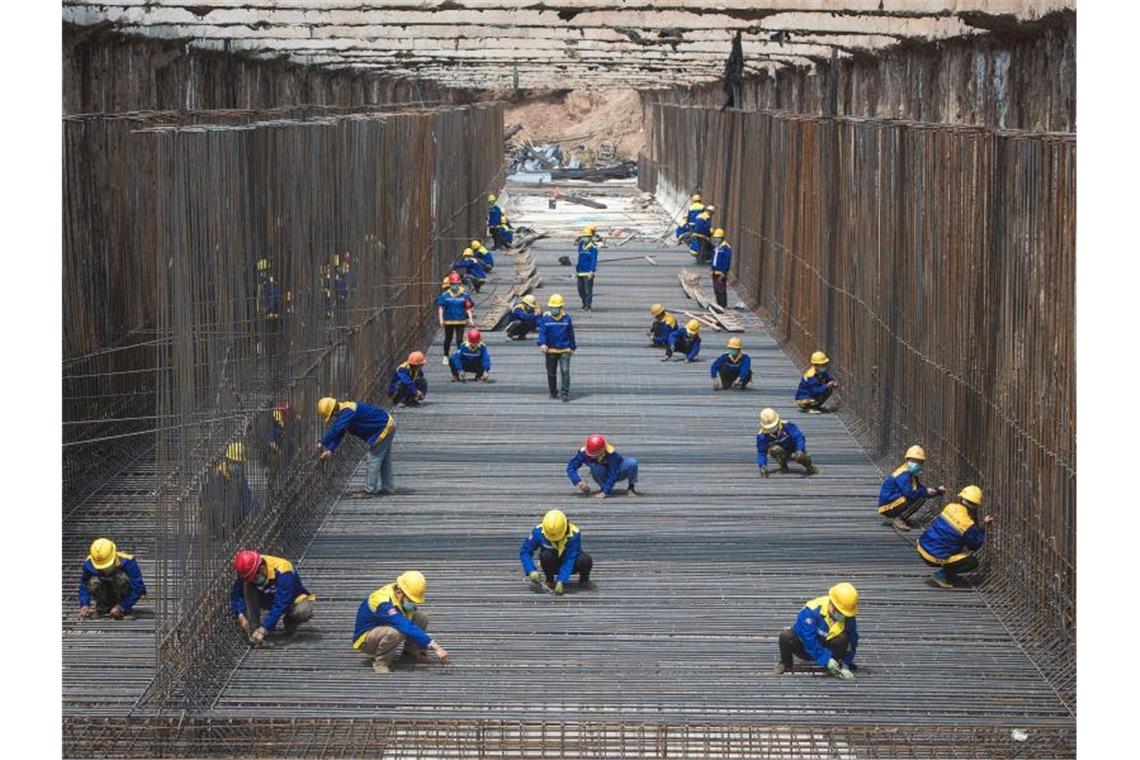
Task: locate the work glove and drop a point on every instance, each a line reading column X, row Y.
column 846, row 674
column 535, row 577
column 833, row 666
column 583, row 488
column 559, row 589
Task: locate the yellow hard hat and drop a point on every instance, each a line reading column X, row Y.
column 589, row 230
column 262, row 265
column 556, row 301
column 735, row 343
column 845, row 598
column 530, row 300
column 656, row 309
column 972, row 494
column 696, row 196
column 325, row 407
column 718, row 232
column 769, row 420
column 476, row 244
column 819, row 357
column 467, row 253
column 103, row 553
column 413, row 584
column 693, row 326
column 490, row 198
column 916, row 452
column 235, row 452
column 554, row 525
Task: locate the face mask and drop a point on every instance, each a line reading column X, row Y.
column 454, row 288
column 837, row 616
column 409, row 605
column 556, row 311
column 735, row 352
column 259, row 580
column 914, row 467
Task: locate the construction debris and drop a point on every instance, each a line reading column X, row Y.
column 690, row 283
column 583, row 201
column 527, row 279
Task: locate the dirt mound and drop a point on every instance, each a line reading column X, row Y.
column 581, row 118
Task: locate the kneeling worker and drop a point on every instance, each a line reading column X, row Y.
column 471, row 356
column 662, row 327
column 408, row 385
column 732, row 369
column 523, row 318
column 782, row 441
column 902, row 494
column 389, row 617
column 559, row 545
column 948, row 543
column 485, row 257
column 824, row 633
column 816, row 385
column 110, row 579
column 607, row 467
column 686, row 340
column 265, row 582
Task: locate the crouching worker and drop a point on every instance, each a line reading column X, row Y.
column 559, row 545
column 607, row 467
column 816, row 385
column 409, row 386
column 824, row 633
column 111, row 580
column 265, row 582
column 782, row 441
column 389, row 617
column 950, row 541
column 732, row 369
column 685, row 340
column 523, row 319
column 662, row 327
column 471, row 356
column 901, row 494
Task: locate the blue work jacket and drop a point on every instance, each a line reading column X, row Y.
column 128, row 565
column 568, row 550
column 610, row 461
column 523, row 313
column 587, row 260
column 721, row 258
column 282, row 588
column 814, row 628
column 694, row 342
column 405, row 376
column 556, row 333
column 787, row 436
column 740, row 366
column 455, row 306
column 952, row 533
column 382, row 608
column 813, row 384
column 368, row 423
column 468, row 355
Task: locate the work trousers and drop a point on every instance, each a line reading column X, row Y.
column 704, row 256
column 380, row 466
column 108, row 590
column 586, row 291
column 816, row 401
column 498, row 238
column 720, row 288
column 519, row 329
column 729, row 376
column 295, row 614
column 552, row 563
column 449, row 332
column 383, row 642
column 627, row 471
column 790, row 644
column 966, row 564
column 470, row 365
column 781, row 455
column 681, row 345
column 554, row 362
column 404, row 396
column 904, row 510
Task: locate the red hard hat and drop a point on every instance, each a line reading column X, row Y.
column 474, row 336
column 453, row 279
column 595, row 444
column 246, row 564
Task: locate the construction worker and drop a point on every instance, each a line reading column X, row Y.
column 721, row 262
column 559, row 546
column 695, row 208
column 686, row 340
column 901, row 494
column 498, row 226
column 825, row 633
column 782, row 441
column 227, row 498
column 587, row 268
column 816, row 385
column 662, row 326
column 389, row 617
column 283, row 414
column 701, row 235
column 370, row 424
column 523, row 318
column 408, row 384
column 455, row 310
column 948, row 543
column 111, row 580
column 556, row 340
column 607, row 467
column 470, row 270
column 471, row 356
column 268, row 583
column 482, row 255
column 732, row 369
column 589, row 235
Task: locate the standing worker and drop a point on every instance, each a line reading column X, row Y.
column 523, row 318
column 721, row 262
column 732, row 369
column 948, row 543
column 824, row 633
column 408, row 384
column 482, row 255
column 111, row 579
column 589, row 235
column 587, row 268
column 607, row 467
column 370, row 424
column 816, row 385
column 901, row 494
column 662, row 327
column 686, row 340
column 559, row 545
column 782, row 441
column 389, row 617
column 700, row 237
column 265, row 582
column 455, row 311
column 556, row 340
column 471, row 356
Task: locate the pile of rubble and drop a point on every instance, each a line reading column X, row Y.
column 544, row 163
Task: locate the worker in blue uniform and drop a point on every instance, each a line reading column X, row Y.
column 523, row 318
column 485, row 257
column 227, row 499
column 559, row 545
column 471, row 356
column 455, row 310
column 408, row 386
column 268, row 583
column 111, row 583
column 783, row 441
column 370, row 424
column 684, row 340
column 816, row 385
column 695, row 208
column 607, row 468
column 557, row 343
column 733, row 368
column 587, row 269
column 950, row 541
column 498, row 226
column 391, row 616
column 700, row 238
column 902, row 494
column 719, row 266
column 825, row 633
column 589, row 235
column 662, row 326
column 470, row 270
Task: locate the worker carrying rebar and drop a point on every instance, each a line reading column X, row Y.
column 471, row 356
column 391, row 616
column 700, row 238
column 720, row 264
column 523, row 318
column 470, row 270
column 370, row 424
column 111, row 583
column 816, row 385
column 408, row 386
column 556, row 341
column 733, row 368
column 226, row 497
column 662, row 326
column 559, row 545
column 607, row 468
column 268, row 583
column 685, row 340
column 498, row 226
column 902, row 494
column 825, row 633
column 586, row 269
column 455, row 310
column 695, row 208
column 783, row 441
column 950, row 541
column 485, row 257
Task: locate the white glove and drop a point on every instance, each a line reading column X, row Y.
column 833, row 666
column 846, row 674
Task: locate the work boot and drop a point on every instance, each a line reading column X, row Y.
column 361, row 495
column 631, row 491
column 941, row 580
column 380, row 667
column 565, row 395
column 291, row 626
column 587, row 584
column 554, row 395
column 900, row 524
column 780, row 669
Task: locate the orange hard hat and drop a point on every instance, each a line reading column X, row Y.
column 416, row 358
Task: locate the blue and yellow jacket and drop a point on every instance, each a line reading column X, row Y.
column 702, row 225
column 900, row 487
column 740, row 365
column 455, row 306
column 952, row 533
column 525, row 314
column 484, row 256
column 568, row 549
column 128, row 565
column 694, row 211
column 471, row 266
column 583, row 241
column 556, row 333
column 694, row 342
column 587, row 260
column 813, row 384
column 369, row 423
column 787, row 436
column 610, row 461
column 282, row 587
column 269, row 299
column 381, row 608
column 468, row 355
column 405, row 376
column 721, row 259
column 496, row 217
column 814, row 627
column 663, row 327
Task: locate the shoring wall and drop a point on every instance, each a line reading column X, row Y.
column 936, row 266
